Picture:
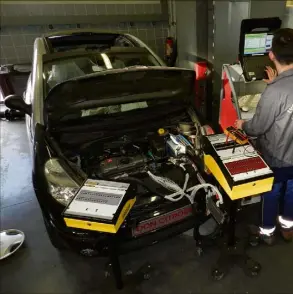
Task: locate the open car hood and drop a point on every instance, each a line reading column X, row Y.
column 119, row 86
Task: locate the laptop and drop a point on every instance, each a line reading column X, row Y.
column 255, row 55
column 256, row 36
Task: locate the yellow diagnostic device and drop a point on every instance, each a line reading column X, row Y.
column 238, row 168
column 100, row 206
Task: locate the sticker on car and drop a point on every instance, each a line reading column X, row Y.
column 162, row 221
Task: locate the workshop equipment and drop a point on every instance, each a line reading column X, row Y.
column 255, row 43
column 239, row 169
column 241, row 172
column 100, row 206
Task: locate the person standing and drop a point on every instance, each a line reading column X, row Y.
column 272, row 124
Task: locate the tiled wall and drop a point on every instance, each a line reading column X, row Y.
column 68, row 8
column 17, row 42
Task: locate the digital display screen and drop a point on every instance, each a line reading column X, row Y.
column 258, row 43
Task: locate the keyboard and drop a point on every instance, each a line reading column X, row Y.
column 254, row 67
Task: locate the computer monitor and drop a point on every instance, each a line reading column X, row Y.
column 258, row 43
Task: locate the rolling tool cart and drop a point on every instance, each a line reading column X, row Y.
column 102, row 206
column 241, row 172
column 233, row 161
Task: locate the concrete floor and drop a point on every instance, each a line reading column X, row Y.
column 39, row 268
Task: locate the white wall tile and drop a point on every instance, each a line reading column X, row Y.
column 15, row 39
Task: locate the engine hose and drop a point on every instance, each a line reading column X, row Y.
column 178, row 192
column 141, row 183
column 196, row 188
column 165, row 182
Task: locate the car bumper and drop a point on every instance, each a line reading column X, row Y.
column 80, row 240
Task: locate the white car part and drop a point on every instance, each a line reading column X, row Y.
column 10, row 241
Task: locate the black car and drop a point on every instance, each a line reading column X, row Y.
column 116, row 117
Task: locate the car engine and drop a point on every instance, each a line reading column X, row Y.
column 145, row 159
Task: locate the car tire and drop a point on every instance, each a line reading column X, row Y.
column 54, row 237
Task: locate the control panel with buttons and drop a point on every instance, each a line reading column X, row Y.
column 237, row 166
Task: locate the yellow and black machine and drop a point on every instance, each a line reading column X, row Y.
column 241, row 172
column 100, row 206
column 236, row 165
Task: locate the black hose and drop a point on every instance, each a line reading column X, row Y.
column 141, row 183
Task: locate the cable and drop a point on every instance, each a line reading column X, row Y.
column 165, row 182
column 246, row 147
column 141, row 183
column 171, row 186
column 196, row 188
column 179, row 193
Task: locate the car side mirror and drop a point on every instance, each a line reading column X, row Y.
column 16, row 102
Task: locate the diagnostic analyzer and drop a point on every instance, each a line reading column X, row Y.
column 238, row 168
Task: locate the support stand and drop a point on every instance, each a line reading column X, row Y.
column 115, row 263
column 234, row 253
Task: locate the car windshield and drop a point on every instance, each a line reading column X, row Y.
column 61, row 69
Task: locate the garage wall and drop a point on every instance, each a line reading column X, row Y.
column 22, row 23
column 288, row 19
column 192, row 27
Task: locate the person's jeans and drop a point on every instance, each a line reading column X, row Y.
column 277, row 202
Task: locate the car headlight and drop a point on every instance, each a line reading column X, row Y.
column 61, row 186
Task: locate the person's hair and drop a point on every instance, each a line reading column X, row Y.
column 282, row 46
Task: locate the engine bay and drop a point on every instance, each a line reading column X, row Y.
column 153, row 160
column 162, row 161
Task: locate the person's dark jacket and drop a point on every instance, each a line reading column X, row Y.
column 272, row 123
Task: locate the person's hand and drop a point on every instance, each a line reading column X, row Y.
column 272, row 73
column 239, row 123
